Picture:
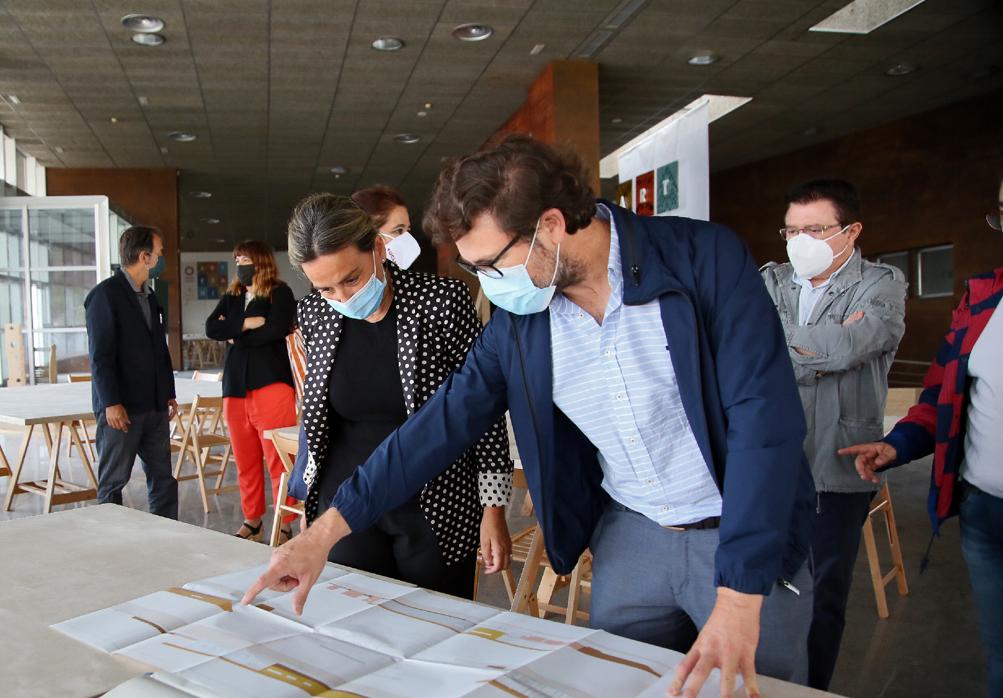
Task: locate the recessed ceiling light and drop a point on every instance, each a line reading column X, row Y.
column 388, row 43
column 407, row 138
column 148, row 39
column 182, row 136
column 210, row 221
column 472, row 32
column 616, row 120
column 13, row 99
column 143, row 101
column 703, row 58
column 428, row 105
column 422, row 114
column 200, row 194
column 145, row 24
column 537, row 50
column 339, row 170
column 114, row 119
column 900, row 69
column 59, row 149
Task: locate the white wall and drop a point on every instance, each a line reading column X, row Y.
column 194, row 312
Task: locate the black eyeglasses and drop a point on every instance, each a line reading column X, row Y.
column 489, row 270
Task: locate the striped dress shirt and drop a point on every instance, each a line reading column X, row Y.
column 616, row 382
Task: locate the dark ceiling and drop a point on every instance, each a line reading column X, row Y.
column 280, row 92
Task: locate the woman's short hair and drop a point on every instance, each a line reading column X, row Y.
column 379, row 201
column 322, row 224
column 515, row 182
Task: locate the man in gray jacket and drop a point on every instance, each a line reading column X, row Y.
column 843, row 318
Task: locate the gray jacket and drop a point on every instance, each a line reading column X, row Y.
column 843, row 388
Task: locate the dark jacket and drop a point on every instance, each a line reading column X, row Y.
column 736, row 382
column 130, row 363
column 259, row 357
column 436, row 324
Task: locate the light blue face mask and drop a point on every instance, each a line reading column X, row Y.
column 366, row 300
column 515, row 290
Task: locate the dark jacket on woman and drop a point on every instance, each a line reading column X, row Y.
column 258, row 357
column 436, row 325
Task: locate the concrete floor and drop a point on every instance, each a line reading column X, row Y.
column 929, row 645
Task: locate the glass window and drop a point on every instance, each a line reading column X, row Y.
column 62, row 237
column 11, row 297
column 57, row 297
column 11, row 239
column 899, row 260
column 71, row 353
column 935, row 266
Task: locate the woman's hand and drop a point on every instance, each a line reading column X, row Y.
column 253, row 323
column 496, row 543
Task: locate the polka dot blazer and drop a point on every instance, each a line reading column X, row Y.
column 436, row 326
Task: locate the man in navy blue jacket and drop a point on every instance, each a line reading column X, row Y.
column 132, row 380
column 653, row 403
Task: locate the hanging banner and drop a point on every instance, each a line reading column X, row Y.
column 669, row 173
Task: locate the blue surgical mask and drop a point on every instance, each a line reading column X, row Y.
column 158, row 268
column 515, row 290
column 366, row 300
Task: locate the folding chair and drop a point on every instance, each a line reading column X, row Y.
column 287, row 445
column 82, row 425
column 882, row 504
column 201, row 433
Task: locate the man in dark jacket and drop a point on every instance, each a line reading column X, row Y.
column 654, row 406
column 132, row 377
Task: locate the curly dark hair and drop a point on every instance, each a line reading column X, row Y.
column 515, row 182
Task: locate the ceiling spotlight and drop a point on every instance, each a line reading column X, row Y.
column 900, row 69
column 182, row 136
column 144, row 24
column 422, row 114
column 200, row 194
column 210, row 221
column 472, row 32
column 114, row 119
column 616, row 120
column 703, row 58
column 428, row 105
column 148, row 39
column 537, row 50
column 407, row 138
column 388, row 43
column 339, row 170
column 13, row 99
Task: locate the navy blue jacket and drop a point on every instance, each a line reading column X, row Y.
column 737, row 386
column 130, row 363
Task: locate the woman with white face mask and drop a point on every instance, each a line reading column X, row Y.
column 388, row 211
column 380, row 341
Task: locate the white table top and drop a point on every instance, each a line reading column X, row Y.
column 61, row 402
column 67, row 563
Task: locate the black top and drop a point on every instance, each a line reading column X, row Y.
column 130, row 363
column 257, row 358
column 365, row 397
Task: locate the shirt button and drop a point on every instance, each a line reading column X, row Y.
column 609, row 353
column 665, row 508
column 619, row 396
column 634, row 441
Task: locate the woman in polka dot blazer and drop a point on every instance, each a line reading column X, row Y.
column 380, row 341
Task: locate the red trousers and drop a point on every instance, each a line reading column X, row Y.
column 247, row 418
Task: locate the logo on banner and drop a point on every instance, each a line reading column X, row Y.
column 625, row 194
column 667, row 188
column 645, row 185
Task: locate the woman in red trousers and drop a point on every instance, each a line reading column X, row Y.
column 254, row 317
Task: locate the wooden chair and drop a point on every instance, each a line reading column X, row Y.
column 201, row 432
column 53, row 365
column 207, row 377
column 287, row 447
column 882, row 504
column 526, row 596
column 83, row 425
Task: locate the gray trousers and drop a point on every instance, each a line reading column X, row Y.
column 149, row 437
column 657, row 586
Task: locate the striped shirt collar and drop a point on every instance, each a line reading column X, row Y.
column 562, row 305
